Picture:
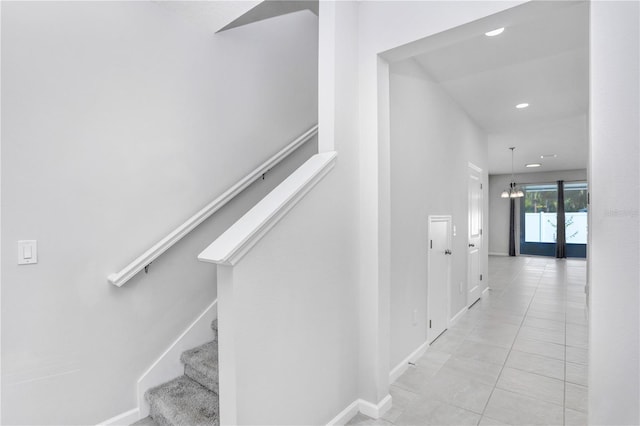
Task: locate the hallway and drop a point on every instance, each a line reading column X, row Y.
column 518, row 356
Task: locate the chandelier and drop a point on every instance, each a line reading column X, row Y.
column 513, row 191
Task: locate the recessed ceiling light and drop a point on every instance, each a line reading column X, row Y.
column 522, row 105
column 548, row 155
column 533, row 165
column 495, row 32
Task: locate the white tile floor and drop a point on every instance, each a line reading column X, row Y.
column 516, row 357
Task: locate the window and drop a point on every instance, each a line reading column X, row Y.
column 538, row 219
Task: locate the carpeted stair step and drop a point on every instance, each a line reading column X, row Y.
column 183, row 402
column 201, row 365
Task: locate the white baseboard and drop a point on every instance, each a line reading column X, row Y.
column 457, row 316
column 168, row 365
column 365, row 407
column 375, row 410
column 399, row 369
column 124, row 419
column 346, row 414
column 493, row 253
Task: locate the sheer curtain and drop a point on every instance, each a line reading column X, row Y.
column 561, row 238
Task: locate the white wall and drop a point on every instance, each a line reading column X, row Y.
column 614, row 346
column 119, row 122
column 614, row 157
column 432, row 141
column 382, row 26
column 295, row 322
column 499, row 207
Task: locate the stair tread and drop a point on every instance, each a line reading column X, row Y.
column 201, row 365
column 182, row 401
column 203, row 358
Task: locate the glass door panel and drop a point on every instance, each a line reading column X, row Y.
column 538, row 213
column 576, row 215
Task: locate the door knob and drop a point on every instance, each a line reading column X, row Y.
column 447, row 251
column 471, row 245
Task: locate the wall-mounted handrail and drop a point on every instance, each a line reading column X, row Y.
column 124, row 275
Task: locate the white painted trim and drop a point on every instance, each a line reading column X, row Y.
column 168, row 366
column 457, row 316
column 346, row 414
column 365, row 407
column 493, row 253
column 399, row 369
column 124, row 419
column 375, row 410
column 236, row 241
column 485, row 290
column 119, row 278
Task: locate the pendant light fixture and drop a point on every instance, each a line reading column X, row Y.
column 513, row 191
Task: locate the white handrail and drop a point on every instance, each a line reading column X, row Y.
column 119, row 278
column 236, row 241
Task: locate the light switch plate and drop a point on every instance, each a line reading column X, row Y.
column 27, row 252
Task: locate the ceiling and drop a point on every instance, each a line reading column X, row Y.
column 272, row 8
column 222, row 15
column 541, row 58
column 209, row 15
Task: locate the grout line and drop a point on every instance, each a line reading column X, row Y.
column 537, row 284
column 514, row 340
column 564, row 395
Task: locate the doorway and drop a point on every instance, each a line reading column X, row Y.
column 475, row 235
column 439, row 276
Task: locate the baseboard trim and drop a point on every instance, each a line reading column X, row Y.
column 399, row 369
column 124, row 419
column 375, row 410
column 168, row 365
column 346, row 414
column 494, row 253
column 365, row 407
column 457, row 316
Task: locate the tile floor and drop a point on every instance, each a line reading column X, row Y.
column 518, row 356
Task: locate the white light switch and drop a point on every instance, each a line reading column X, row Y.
column 27, row 252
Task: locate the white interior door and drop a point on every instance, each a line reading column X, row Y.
column 439, row 271
column 475, row 235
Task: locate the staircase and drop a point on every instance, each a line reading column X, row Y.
column 191, row 399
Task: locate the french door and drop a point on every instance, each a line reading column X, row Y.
column 538, row 219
